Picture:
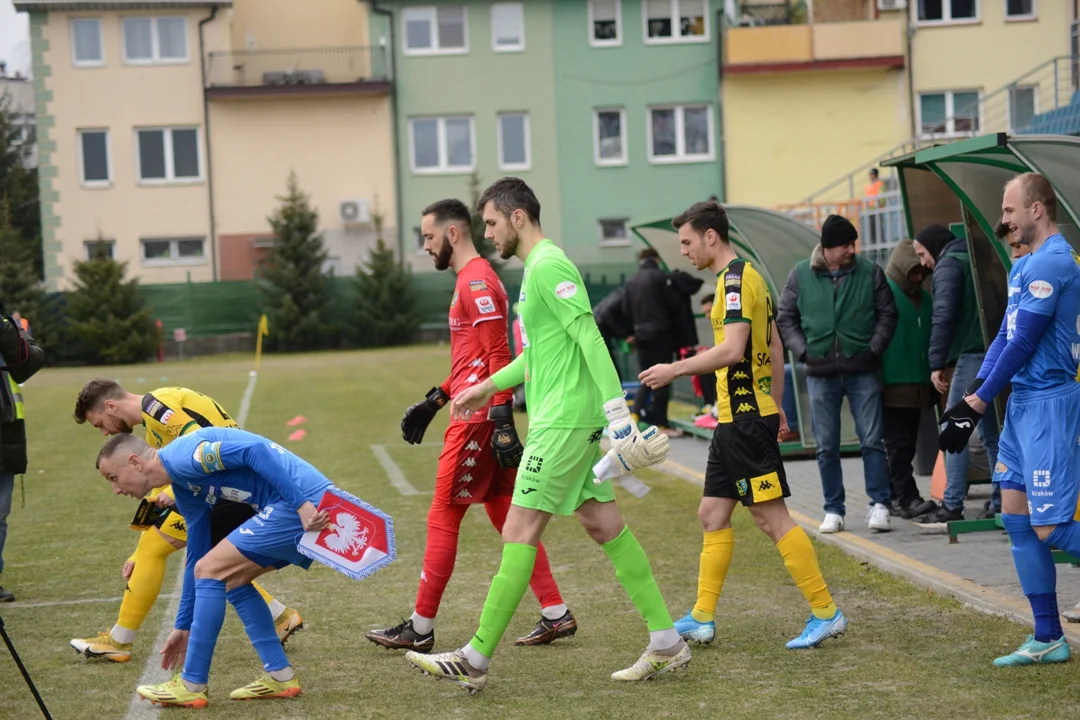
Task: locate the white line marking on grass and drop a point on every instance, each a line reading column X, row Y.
column 245, row 401
column 153, row 673
column 397, row 478
column 82, row 601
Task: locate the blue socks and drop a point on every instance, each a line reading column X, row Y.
column 208, row 615
column 1038, row 576
column 259, row 624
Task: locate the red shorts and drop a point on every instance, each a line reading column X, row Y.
column 468, row 471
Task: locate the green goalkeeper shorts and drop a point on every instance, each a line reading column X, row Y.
column 556, row 474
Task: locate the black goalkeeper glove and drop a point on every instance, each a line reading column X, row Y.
column 957, row 424
column 505, row 444
column 419, row 415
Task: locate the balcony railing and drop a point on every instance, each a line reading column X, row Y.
column 294, row 68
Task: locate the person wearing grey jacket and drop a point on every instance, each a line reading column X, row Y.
column 837, row 315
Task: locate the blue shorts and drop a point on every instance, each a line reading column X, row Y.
column 1039, row 452
column 269, row 539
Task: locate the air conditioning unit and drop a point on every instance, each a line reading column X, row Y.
column 891, row 4
column 354, row 212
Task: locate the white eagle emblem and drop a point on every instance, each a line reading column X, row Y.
column 348, row 536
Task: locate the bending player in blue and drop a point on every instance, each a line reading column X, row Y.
column 224, row 465
column 1038, row 465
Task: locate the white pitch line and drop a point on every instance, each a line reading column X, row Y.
column 153, row 673
column 245, row 401
column 397, row 478
column 55, row 603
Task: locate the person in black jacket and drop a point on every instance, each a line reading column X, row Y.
column 20, row 358
column 650, row 306
column 613, row 326
column 837, row 314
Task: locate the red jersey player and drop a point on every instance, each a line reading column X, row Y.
column 480, row 456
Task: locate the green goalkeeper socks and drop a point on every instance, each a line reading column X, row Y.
column 634, row 574
column 507, row 589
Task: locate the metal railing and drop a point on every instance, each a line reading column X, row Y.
column 879, row 220
column 753, row 14
column 316, row 66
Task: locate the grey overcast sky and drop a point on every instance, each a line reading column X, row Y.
column 14, row 38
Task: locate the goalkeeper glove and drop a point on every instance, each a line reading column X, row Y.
column 625, row 437
column 656, row 446
column 957, row 424
column 419, row 415
column 505, row 444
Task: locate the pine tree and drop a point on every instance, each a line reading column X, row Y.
column 386, row 311
column 297, row 293
column 19, row 189
column 107, row 316
column 20, row 288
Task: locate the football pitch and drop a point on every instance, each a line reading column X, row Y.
column 906, row 654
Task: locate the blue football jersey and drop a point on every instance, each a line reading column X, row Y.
column 1047, row 282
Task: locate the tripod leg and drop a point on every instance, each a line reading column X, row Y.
column 22, row 669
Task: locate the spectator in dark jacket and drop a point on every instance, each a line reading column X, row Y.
column 956, row 342
column 612, row 323
column 20, row 357
column 650, row 306
column 837, row 315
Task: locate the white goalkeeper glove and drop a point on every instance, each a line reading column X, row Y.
column 632, row 449
column 615, row 467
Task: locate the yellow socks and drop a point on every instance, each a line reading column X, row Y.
column 145, row 582
column 716, row 552
column 801, row 561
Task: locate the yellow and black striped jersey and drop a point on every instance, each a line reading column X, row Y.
column 742, row 389
column 171, row 412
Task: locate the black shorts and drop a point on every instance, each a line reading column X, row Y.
column 744, row 461
column 226, row 516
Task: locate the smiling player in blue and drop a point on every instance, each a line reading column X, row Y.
column 1037, row 349
column 210, row 466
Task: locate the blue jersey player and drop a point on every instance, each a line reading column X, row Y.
column 210, row 466
column 1038, row 467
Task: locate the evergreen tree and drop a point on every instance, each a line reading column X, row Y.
column 19, row 189
column 386, row 311
column 107, row 316
column 20, row 288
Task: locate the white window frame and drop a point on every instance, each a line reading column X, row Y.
column 440, row 130
column 170, row 178
column 675, row 38
column 946, row 15
column 607, row 243
column 597, row 158
column 680, row 155
column 420, row 240
column 111, row 242
column 174, row 248
column 520, row 46
column 527, row 165
column 617, row 42
column 432, row 13
column 950, row 113
column 95, row 184
column 75, row 61
column 1034, row 101
column 1033, row 15
column 155, row 41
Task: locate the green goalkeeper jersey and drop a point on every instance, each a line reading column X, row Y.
column 559, row 389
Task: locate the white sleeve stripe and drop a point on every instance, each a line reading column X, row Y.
column 485, row 318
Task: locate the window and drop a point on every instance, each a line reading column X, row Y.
column 605, row 23
column 173, row 251
column 680, row 134
column 514, row 142
column 155, row 40
column 1019, row 9
column 442, row 145
column 419, row 238
column 93, row 247
column 613, row 233
column 169, row 155
column 676, row 21
column 435, row 30
column 609, row 136
column 949, row 113
column 1021, row 107
column 948, row 10
column 94, row 147
column 507, row 27
column 86, row 47
column 331, row 267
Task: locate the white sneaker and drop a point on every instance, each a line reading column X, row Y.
column 878, row 518
column 833, row 523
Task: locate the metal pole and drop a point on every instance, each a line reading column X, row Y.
column 22, row 669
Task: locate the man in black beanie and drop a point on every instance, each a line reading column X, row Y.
column 956, row 342
column 837, row 315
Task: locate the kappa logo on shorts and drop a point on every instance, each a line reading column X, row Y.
column 742, row 487
column 765, row 485
column 178, row 526
column 533, row 464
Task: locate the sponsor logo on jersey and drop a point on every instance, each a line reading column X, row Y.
column 734, row 301
column 732, row 281
column 1041, row 289
column 765, row 384
column 477, row 285
column 1041, row 478
column 165, row 416
column 741, row 487
column 235, row 494
column 1001, row 468
column 485, row 305
column 453, row 300
column 565, row 290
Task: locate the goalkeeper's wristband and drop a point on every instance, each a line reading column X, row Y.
column 616, row 410
column 438, row 398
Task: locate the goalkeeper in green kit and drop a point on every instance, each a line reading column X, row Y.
column 573, row 392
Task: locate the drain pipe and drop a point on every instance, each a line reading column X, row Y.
column 398, row 211
column 720, row 105
column 206, row 135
